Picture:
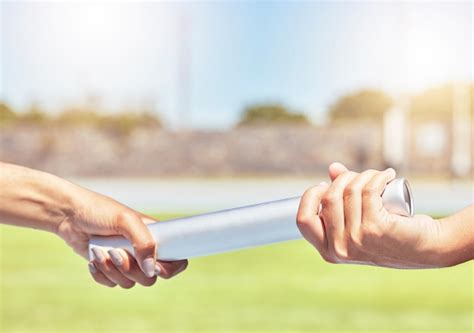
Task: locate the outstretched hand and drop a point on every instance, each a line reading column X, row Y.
column 39, row 200
column 347, row 223
column 99, row 215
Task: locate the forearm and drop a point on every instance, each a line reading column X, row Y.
column 458, row 237
column 34, row 199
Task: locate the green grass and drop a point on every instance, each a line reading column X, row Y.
column 285, row 287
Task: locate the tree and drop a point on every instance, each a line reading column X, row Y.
column 123, row 122
column 266, row 114
column 6, row 113
column 438, row 102
column 34, row 115
column 127, row 121
column 362, row 105
column 76, row 116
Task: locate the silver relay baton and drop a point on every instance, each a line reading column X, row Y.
column 240, row 228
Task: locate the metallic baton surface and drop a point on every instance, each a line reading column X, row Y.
column 239, row 228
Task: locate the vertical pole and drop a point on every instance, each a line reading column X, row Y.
column 184, row 73
column 461, row 129
column 395, row 134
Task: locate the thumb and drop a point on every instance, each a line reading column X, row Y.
column 131, row 226
column 335, row 169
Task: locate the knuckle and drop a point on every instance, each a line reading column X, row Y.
column 329, row 199
column 340, row 252
column 368, row 172
column 311, row 190
column 127, row 285
column 146, row 245
column 129, row 273
column 369, row 190
column 304, row 219
column 350, row 174
column 346, row 174
column 354, row 247
column 96, row 279
column 352, row 252
column 148, row 282
column 329, row 259
column 354, row 240
column 371, row 231
column 126, row 215
column 122, row 223
column 109, row 284
column 124, row 220
column 350, row 191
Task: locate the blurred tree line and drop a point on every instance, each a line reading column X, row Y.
column 271, row 114
column 122, row 122
column 438, row 101
column 362, row 105
column 367, row 104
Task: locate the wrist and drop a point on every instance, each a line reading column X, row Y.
column 430, row 247
column 432, row 240
column 34, row 199
column 57, row 199
column 456, row 243
column 67, row 205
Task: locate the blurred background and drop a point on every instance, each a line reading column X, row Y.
column 176, row 108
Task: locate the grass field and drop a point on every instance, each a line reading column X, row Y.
column 284, row 287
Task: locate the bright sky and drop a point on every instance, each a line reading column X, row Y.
column 304, row 55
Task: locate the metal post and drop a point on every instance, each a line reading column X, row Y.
column 461, row 129
column 184, row 72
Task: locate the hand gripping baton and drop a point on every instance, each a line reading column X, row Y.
column 239, row 228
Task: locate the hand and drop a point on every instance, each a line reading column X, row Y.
column 352, row 225
column 99, row 215
column 35, row 199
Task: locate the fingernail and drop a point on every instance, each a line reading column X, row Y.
column 149, row 267
column 92, row 268
column 116, row 257
column 98, row 254
column 323, row 184
column 157, row 270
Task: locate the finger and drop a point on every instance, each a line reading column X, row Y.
column 99, row 277
column 147, row 219
column 353, row 203
column 104, row 264
column 168, row 269
column 332, row 213
column 128, row 266
column 336, row 169
column 307, row 218
column 372, row 203
column 134, row 229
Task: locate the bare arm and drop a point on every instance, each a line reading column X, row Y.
column 458, row 236
column 34, row 199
